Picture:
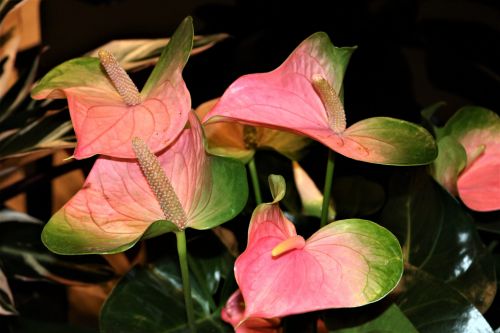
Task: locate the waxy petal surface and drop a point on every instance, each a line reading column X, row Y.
column 286, row 99
column 103, row 123
column 348, row 263
column 479, row 184
column 227, row 138
column 116, row 206
column 233, row 313
column 477, row 130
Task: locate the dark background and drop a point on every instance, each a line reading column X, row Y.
column 411, row 54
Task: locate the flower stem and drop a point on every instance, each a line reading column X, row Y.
column 255, row 181
column 182, row 251
column 328, row 187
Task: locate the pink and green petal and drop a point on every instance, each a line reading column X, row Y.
column 287, row 144
column 285, row 97
column 224, row 139
column 172, row 60
column 451, row 160
column 474, row 128
column 116, row 206
column 348, row 263
column 103, row 122
column 227, row 138
column 479, row 184
column 388, row 141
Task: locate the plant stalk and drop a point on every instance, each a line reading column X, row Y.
column 255, row 181
column 188, row 300
column 327, row 188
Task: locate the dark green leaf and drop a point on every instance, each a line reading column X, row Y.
column 434, row 307
column 357, row 196
column 392, row 320
column 150, row 299
column 439, row 237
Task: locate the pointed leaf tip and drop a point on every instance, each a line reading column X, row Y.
column 277, row 186
column 173, row 58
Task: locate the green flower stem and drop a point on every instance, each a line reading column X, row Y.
column 255, row 181
column 328, row 188
column 182, row 250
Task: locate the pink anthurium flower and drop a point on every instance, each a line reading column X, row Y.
column 468, row 164
column 235, row 140
column 123, row 201
column 347, row 263
column 106, row 107
column 302, row 95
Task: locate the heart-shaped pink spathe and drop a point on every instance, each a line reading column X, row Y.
column 104, row 123
column 116, row 206
column 348, row 263
column 479, row 184
column 301, row 96
column 106, row 126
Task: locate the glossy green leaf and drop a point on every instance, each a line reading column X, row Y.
column 392, row 320
column 150, row 299
column 434, row 307
column 439, row 237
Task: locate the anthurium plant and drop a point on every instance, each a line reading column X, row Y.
column 272, row 252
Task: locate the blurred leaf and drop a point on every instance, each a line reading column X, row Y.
column 357, row 196
column 6, row 6
column 51, row 131
column 25, row 257
column 434, row 307
column 228, row 238
column 392, row 320
column 311, row 197
column 439, row 237
column 150, row 299
column 135, row 54
column 6, row 299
